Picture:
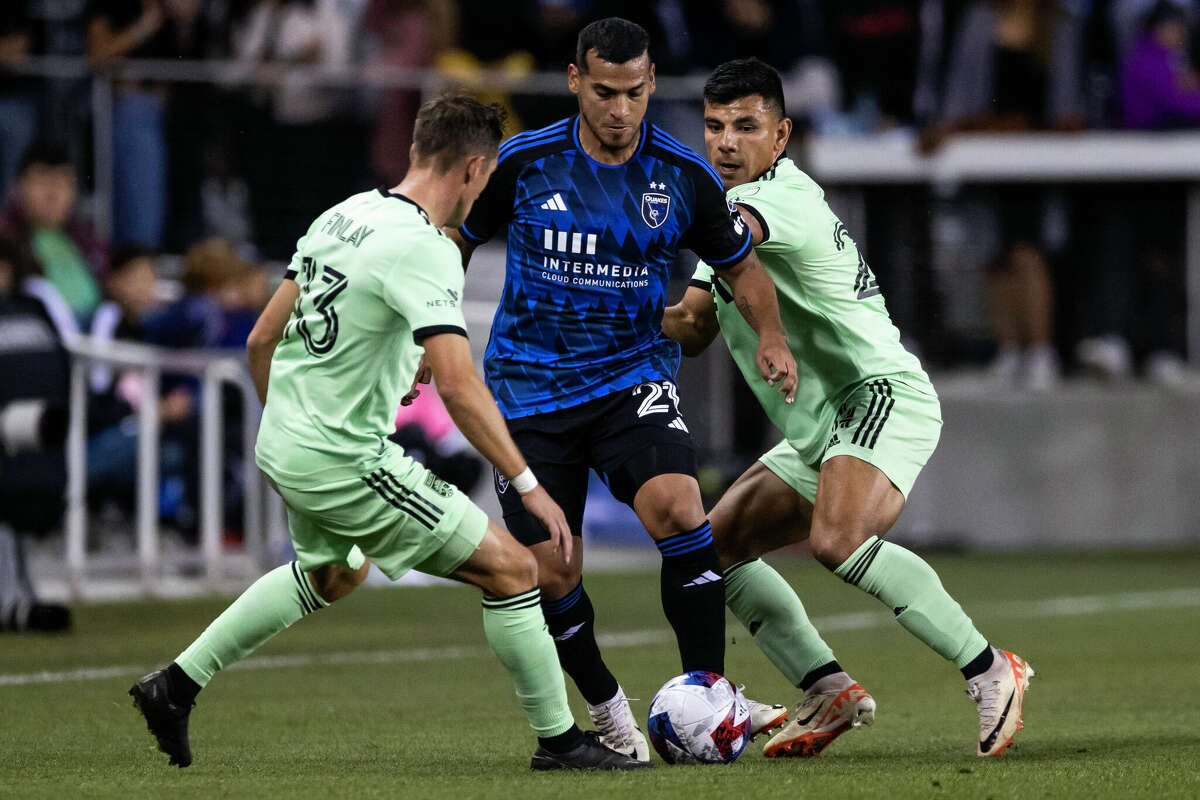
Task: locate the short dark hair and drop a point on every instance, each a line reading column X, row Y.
column 455, row 125
column 614, row 39
column 125, row 255
column 46, row 153
column 1164, row 12
column 744, row 77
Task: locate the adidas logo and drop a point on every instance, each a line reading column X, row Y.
column 569, row 632
column 555, row 203
column 708, row 576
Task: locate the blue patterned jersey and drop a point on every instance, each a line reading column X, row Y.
column 590, row 251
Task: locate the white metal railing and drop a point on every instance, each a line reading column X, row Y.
column 215, row 369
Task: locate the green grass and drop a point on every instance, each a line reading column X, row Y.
column 1111, row 713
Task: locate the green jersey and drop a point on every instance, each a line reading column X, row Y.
column 837, row 325
column 376, row 278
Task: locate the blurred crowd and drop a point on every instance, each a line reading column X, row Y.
column 224, row 175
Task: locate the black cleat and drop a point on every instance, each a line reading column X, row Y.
column 165, row 719
column 589, row 754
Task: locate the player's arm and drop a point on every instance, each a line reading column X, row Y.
column 754, row 296
column 720, row 237
column 268, row 332
column 756, row 224
column 473, row 410
column 692, row 321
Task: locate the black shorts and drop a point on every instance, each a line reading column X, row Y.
column 628, row 437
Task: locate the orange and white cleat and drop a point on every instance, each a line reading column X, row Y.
column 765, row 718
column 824, row 713
column 999, row 693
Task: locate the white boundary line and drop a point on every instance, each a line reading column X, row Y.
column 1048, row 607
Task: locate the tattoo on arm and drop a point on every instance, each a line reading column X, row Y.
column 743, row 306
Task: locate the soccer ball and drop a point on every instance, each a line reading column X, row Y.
column 699, row 718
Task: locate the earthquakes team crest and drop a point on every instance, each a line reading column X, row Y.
column 655, row 207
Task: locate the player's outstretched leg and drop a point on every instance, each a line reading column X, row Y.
column 274, row 602
column 842, row 540
column 572, row 623
column 693, row 590
column 760, row 513
column 517, row 633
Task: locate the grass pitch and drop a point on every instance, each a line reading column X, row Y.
column 392, row 693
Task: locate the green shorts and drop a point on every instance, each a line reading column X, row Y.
column 892, row 423
column 396, row 513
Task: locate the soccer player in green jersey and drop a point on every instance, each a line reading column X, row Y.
column 375, row 286
column 864, row 422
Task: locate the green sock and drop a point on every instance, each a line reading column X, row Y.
column 902, row 581
column 273, row 602
column 516, row 631
column 770, row 610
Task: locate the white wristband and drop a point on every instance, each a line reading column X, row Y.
column 525, row 482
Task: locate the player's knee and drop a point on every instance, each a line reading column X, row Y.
column 676, row 514
column 333, row 582
column 832, row 546
column 517, row 571
column 557, row 579
column 732, row 541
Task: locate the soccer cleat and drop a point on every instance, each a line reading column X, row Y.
column 165, row 719
column 618, row 728
column 999, row 693
column 587, row 755
column 821, row 717
column 764, row 718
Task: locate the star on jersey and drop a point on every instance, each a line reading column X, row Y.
column 659, row 186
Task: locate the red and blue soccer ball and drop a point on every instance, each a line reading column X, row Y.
column 699, row 718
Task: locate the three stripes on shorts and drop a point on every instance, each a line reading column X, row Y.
column 867, row 433
column 400, row 496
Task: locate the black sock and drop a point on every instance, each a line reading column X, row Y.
column 980, row 664
column 823, row 671
column 567, row 740
column 572, row 623
column 693, row 597
column 181, row 689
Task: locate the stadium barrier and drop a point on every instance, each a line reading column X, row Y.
column 214, row 369
column 887, row 159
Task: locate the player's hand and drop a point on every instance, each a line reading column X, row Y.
column 539, row 503
column 777, row 365
column 424, row 375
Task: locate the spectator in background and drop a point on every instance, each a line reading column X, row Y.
column 220, row 292
column 18, row 102
column 40, row 218
column 115, row 396
column 727, row 29
column 1159, row 87
column 404, row 33
column 999, row 79
column 1136, row 278
column 305, row 148
column 162, row 29
column 35, row 368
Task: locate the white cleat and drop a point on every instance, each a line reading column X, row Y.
column 822, row 715
column 618, row 727
column 764, row 718
column 999, row 693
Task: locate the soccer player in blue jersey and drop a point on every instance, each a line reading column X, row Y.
column 596, row 207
